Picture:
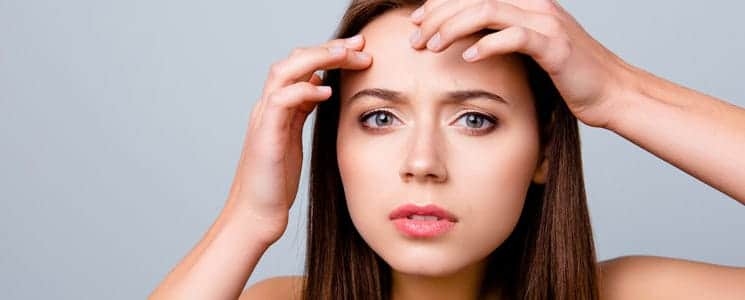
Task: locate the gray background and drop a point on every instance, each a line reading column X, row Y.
column 121, row 124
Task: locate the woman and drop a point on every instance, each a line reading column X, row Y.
column 446, row 164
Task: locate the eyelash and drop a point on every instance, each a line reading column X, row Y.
column 363, row 118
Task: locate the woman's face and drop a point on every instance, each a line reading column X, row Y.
column 434, row 147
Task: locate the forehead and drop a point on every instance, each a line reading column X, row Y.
column 398, row 66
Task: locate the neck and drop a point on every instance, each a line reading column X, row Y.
column 463, row 284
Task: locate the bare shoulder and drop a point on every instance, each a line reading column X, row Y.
column 280, row 287
column 655, row 277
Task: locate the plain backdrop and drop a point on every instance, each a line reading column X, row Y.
column 121, row 123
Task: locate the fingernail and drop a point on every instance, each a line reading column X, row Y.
column 434, row 42
column 470, row 54
column 417, row 14
column 323, row 89
column 352, row 41
column 336, row 51
column 416, row 36
column 362, row 55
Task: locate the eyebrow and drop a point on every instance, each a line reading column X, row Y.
column 453, row 96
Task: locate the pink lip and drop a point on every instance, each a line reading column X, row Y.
column 407, row 210
column 422, row 228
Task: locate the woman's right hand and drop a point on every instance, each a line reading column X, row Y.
column 268, row 173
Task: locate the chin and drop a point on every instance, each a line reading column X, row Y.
column 427, row 268
column 425, row 260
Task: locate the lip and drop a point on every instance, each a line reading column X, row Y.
column 406, row 210
column 422, row 228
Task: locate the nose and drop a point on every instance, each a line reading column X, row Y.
column 424, row 157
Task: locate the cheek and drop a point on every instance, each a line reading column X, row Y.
column 500, row 171
column 491, row 183
column 367, row 165
column 369, row 170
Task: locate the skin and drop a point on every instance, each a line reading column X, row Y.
column 423, row 153
column 670, row 121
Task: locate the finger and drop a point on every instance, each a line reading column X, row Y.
column 302, row 63
column 550, row 8
column 511, row 39
column 498, row 16
column 354, row 60
column 356, row 42
column 434, row 18
column 282, row 105
column 419, row 14
column 549, row 53
column 542, row 6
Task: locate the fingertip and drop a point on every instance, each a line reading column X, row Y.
column 355, row 41
column 362, row 55
column 364, row 59
column 415, row 38
column 323, row 89
column 471, row 54
column 417, row 15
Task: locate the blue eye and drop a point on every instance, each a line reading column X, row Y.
column 477, row 120
column 378, row 119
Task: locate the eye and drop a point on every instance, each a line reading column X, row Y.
column 380, row 118
column 475, row 121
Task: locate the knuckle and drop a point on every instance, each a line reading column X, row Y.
column 489, row 6
column 446, row 30
column 429, row 23
column 487, row 12
column 297, row 51
column 521, row 36
column 277, row 69
column 560, row 52
column 274, row 100
column 552, row 25
column 549, row 6
column 564, row 48
column 426, row 25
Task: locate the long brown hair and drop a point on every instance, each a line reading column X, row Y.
column 549, row 255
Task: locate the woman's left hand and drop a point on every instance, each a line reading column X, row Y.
column 590, row 78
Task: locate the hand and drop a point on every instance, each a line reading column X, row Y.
column 589, row 77
column 266, row 181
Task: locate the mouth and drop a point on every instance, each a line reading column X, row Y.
column 424, row 213
column 422, row 221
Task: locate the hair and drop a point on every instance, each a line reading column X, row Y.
column 549, row 255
